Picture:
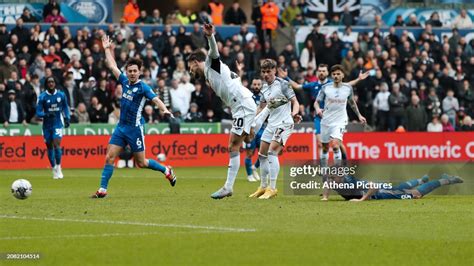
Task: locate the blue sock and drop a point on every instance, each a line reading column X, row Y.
column 51, row 157
column 154, row 165
column 106, row 175
column 257, row 163
column 412, row 183
column 428, row 187
column 248, row 166
column 57, row 154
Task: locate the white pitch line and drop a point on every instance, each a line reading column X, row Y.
column 188, row 226
column 85, row 235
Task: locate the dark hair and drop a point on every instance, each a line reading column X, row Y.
column 134, row 61
column 268, row 64
column 323, row 66
column 336, row 68
column 197, row 55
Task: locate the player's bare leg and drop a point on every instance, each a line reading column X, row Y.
column 57, row 158
column 235, row 142
column 142, row 162
column 113, row 152
column 274, row 150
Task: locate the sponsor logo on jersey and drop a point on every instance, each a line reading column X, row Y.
column 127, row 96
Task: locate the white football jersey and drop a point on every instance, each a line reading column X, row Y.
column 226, row 84
column 335, row 103
column 279, row 88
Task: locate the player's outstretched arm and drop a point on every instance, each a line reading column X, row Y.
column 362, row 76
column 319, row 100
column 209, row 30
column 369, row 193
column 354, row 107
column 109, row 57
column 161, row 106
column 283, row 73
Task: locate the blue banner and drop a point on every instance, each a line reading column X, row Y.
column 446, row 16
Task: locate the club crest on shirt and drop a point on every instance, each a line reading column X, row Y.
column 135, row 89
column 58, row 99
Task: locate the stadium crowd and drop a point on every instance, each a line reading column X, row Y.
column 418, row 84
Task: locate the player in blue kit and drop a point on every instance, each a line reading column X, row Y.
column 252, row 173
column 129, row 130
column 360, row 190
column 52, row 108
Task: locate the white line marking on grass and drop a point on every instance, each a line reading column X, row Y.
column 89, row 235
column 187, row 226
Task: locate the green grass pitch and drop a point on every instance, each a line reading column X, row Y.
column 144, row 221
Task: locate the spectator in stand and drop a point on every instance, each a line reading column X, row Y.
column 434, row 125
column 48, row 8
column 81, row 114
column 156, row 17
column 382, row 107
column 27, row 17
column 413, row 22
column 21, row 32
column 416, row 115
column 298, row 21
column 346, row 17
column 290, row 13
column 467, row 124
column 434, row 20
column 193, row 115
column 378, row 21
column 447, row 126
column 463, row 20
column 235, row 15
column 55, row 16
column 307, row 55
column 149, row 115
column 87, row 91
column 131, row 12
column 399, row 22
column 451, row 106
column 270, row 12
column 13, row 112
column 114, row 116
column 97, row 112
column 397, row 101
column 144, row 18
column 216, row 9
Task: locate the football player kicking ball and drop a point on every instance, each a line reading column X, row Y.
column 335, row 97
column 279, row 128
column 130, row 127
column 228, row 86
column 52, row 108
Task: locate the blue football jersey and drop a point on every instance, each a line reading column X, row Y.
column 53, row 109
column 133, row 100
column 256, row 97
column 314, row 88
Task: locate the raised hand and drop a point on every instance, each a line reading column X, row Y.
column 106, row 42
column 282, row 73
column 363, row 75
column 208, row 29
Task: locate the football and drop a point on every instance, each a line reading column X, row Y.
column 21, row 189
column 161, row 157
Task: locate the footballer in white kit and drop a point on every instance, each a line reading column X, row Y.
column 228, row 86
column 335, row 97
column 279, row 128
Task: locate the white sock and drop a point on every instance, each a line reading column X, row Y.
column 260, row 119
column 234, row 165
column 337, row 155
column 264, row 170
column 324, row 158
column 274, row 168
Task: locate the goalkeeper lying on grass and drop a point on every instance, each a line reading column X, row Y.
column 360, row 190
